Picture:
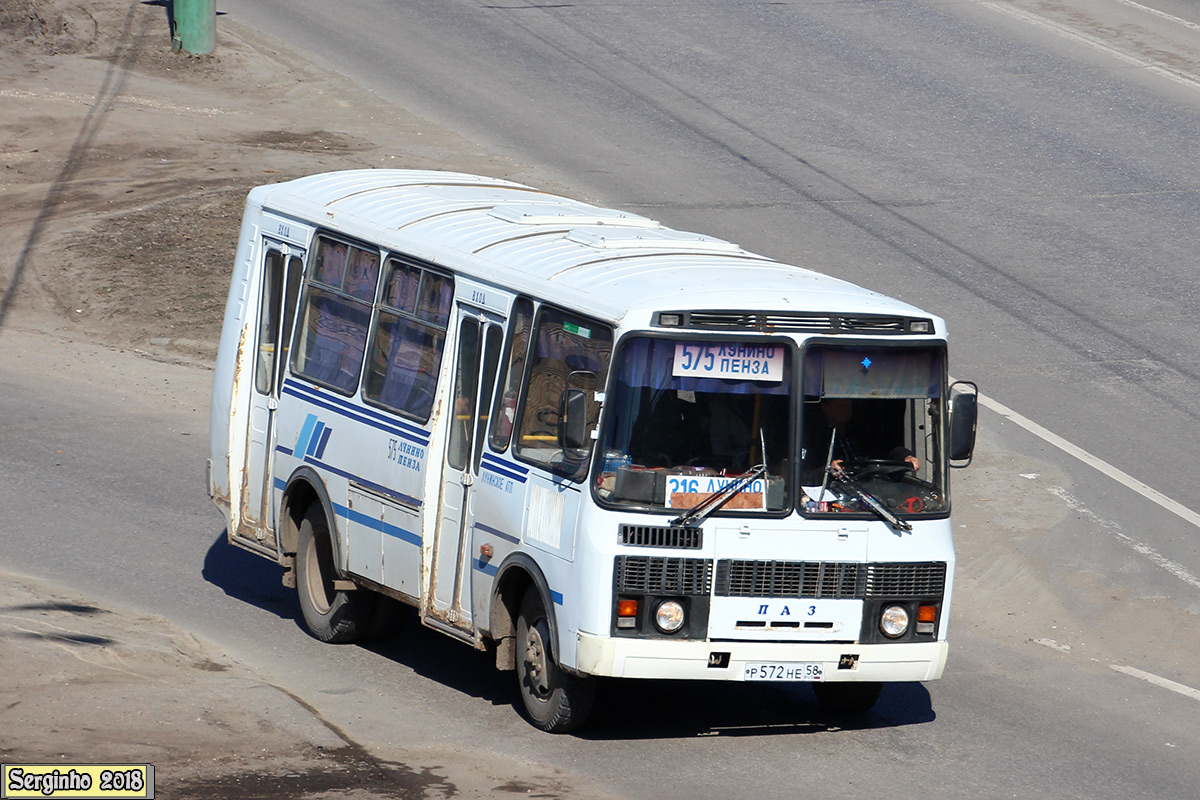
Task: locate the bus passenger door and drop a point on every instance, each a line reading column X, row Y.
column 282, row 269
column 479, row 343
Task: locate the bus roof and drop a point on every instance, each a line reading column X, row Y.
column 608, row 262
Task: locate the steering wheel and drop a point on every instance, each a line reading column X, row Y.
column 870, row 467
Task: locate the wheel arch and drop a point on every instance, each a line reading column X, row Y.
column 517, row 574
column 304, row 488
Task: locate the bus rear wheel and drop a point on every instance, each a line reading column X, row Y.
column 555, row 700
column 331, row 615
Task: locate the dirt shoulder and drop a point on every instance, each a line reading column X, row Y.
column 125, row 167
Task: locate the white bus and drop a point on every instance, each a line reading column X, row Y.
column 594, row 444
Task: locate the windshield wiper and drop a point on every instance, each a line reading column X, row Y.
column 849, row 484
column 717, row 500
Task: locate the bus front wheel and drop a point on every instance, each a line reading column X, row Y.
column 556, row 701
column 330, row 615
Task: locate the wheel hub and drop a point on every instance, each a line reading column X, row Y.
column 535, row 661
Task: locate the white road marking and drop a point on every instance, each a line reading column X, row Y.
column 1150, row 677
column 1102, row 466
column 1053, row 645
column 1068, row 32
column 1173, row 567
column 1161, row 14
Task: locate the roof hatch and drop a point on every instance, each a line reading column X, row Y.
column 570, row 216
column 660, row 239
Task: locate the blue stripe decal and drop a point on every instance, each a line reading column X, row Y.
column 279, row 484
column 485, row 567
column 302, row 390
column 508, row 537
column 505, row 468
column 287, row 451
column 350, row 515
column 324, row 441
column 490, row 569
column 384, row 490
column 361, row 414
column 305, row 432
column 315, row 440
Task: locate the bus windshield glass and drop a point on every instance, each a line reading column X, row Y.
column 687, row 418
column 871, row 432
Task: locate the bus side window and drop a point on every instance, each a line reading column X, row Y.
column 280, row 290
column 332, row 338
column 568, row 353
column 410, row 336
column 505, row 412
column 268, row 325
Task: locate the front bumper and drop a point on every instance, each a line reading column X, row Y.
column 725, row 661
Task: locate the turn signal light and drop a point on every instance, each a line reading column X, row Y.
column 926, row 620
column 627, row 613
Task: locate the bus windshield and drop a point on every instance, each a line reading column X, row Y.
column 871, row 434
column 689, row 417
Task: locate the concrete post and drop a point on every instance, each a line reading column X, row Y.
column 194, row 26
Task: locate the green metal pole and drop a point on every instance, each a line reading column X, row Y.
column 195, row 26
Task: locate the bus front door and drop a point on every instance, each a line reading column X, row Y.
column 448, row 597
column 282, row 270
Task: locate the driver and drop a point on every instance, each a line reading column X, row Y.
column 856, row 440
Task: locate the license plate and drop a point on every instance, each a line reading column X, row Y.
column 784, row 671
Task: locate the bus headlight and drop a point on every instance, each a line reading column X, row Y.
column 894, row 621
column 668, row 617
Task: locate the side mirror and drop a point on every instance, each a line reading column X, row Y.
column 964, row 416
column 572, row 420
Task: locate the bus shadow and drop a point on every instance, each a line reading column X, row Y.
column 453, row 664
column 629, row 710
column 635, row 710
column 249, row 578
column 625, row 709
column 254, row 580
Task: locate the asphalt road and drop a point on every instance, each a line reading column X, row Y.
column 1026, row 178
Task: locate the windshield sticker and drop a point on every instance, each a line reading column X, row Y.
column 738, row 361
column 688, row 491
column 578, row 330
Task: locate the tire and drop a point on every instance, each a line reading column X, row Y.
column 330, row 615
column 555, row 700
column 847, row 698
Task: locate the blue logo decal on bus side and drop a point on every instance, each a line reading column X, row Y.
column 314, row 435
column 310, row 448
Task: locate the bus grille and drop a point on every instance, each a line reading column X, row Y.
column 648, row 575
column 658, row 536
column 796, row 322
column 788, row 579
column 829, row 579
column 906, row 580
